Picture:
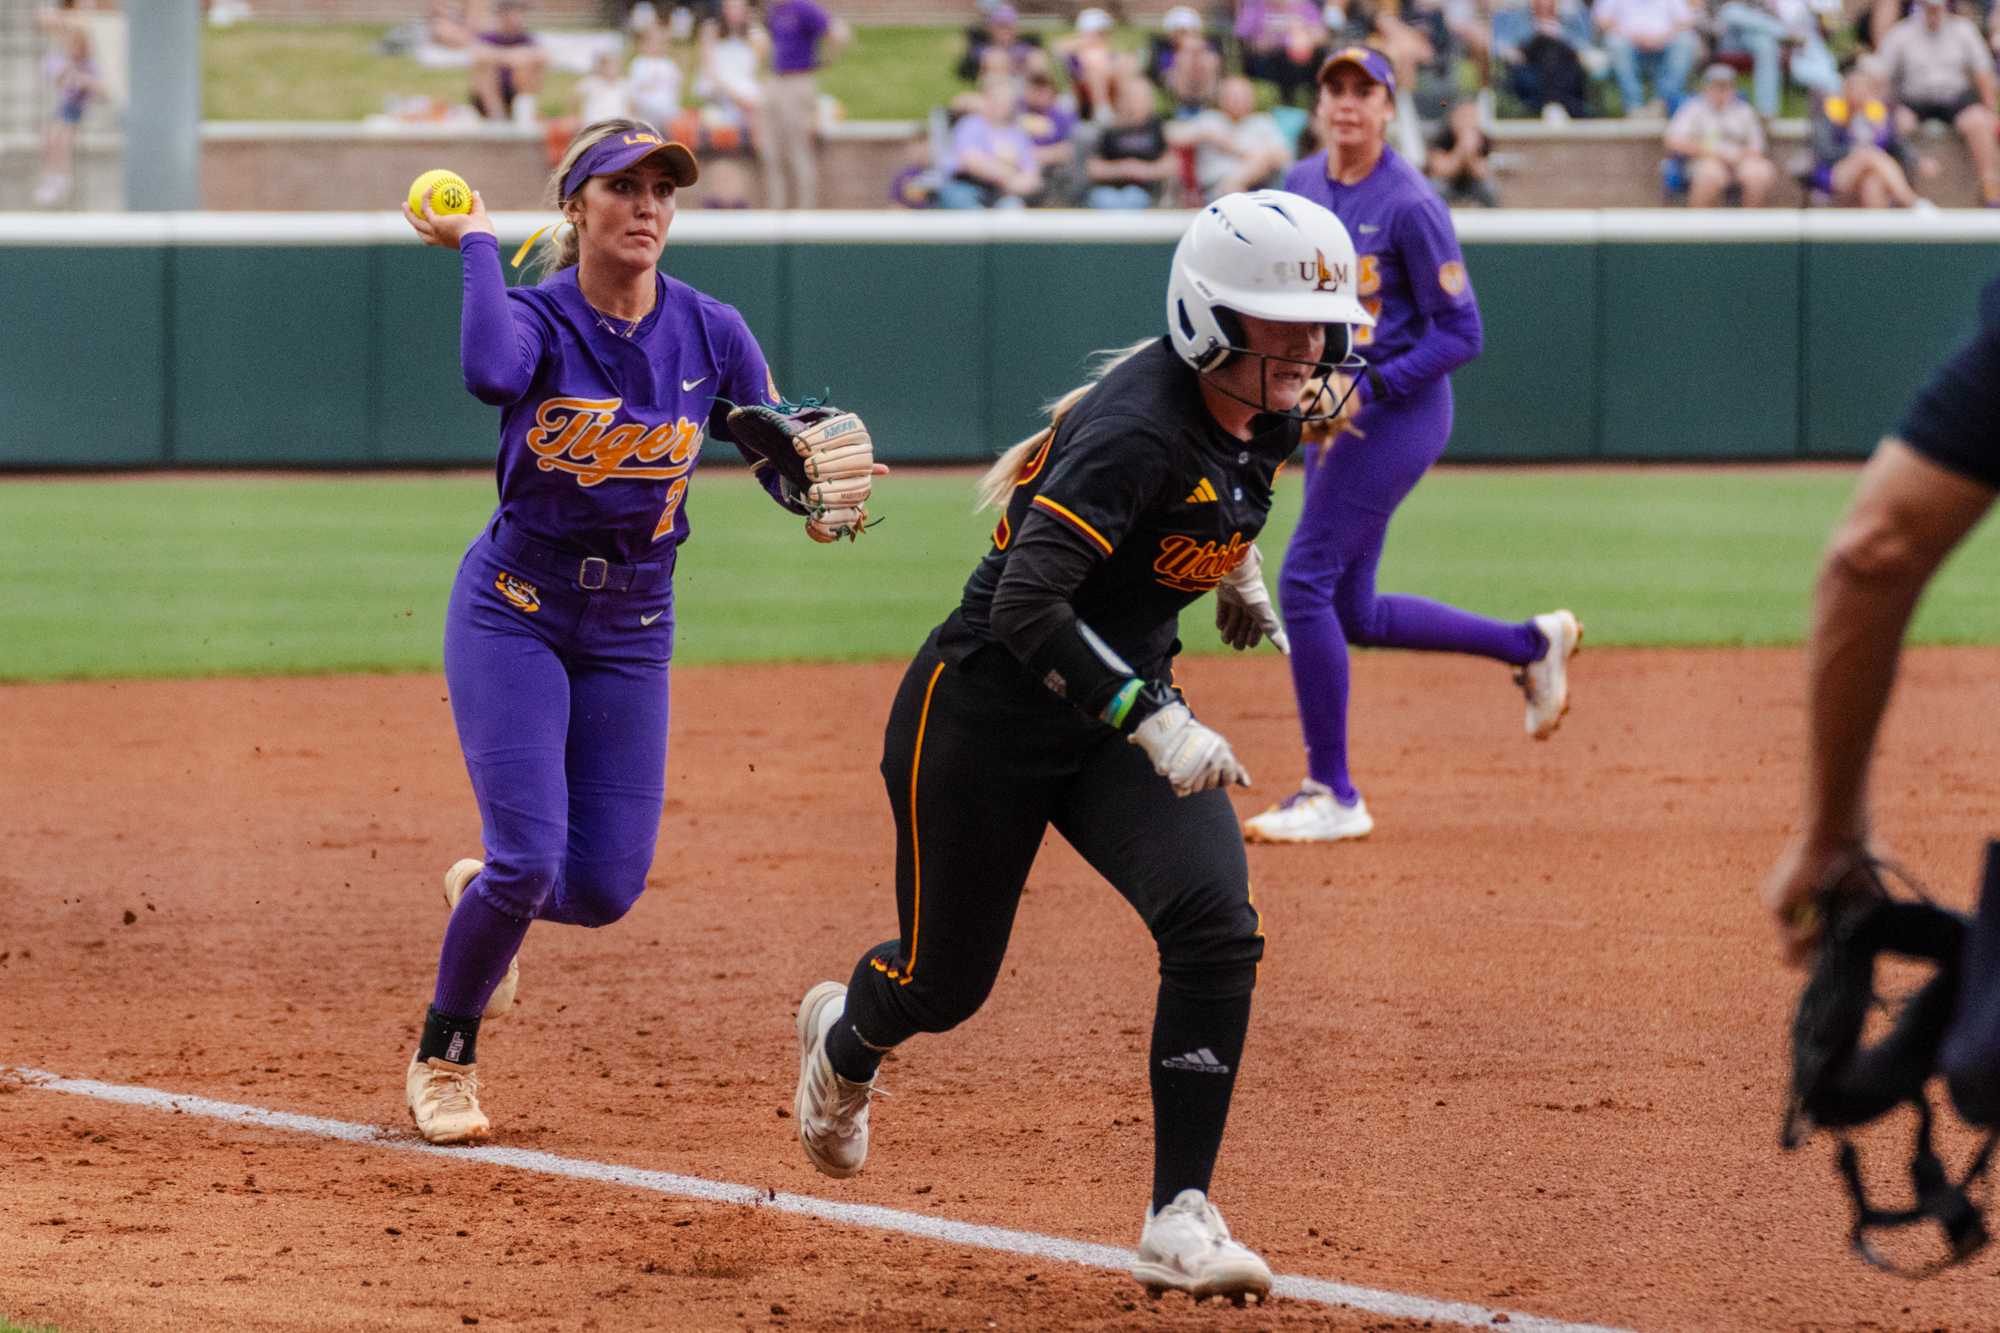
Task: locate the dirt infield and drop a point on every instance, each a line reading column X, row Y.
column 1523, row 1048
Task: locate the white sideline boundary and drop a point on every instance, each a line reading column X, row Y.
column 1002, row 1239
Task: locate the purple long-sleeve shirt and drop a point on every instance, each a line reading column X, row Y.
column 1412, row 276
column 600, row 433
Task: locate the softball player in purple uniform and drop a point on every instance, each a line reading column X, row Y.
column 1046, row 698
column 1413, row 280
column 609, row 375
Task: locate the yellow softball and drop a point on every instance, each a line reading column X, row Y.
column 448, row 191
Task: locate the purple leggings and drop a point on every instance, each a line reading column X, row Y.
column 1327, row 588
column 562, row 715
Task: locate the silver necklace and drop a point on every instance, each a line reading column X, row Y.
column 610, row 326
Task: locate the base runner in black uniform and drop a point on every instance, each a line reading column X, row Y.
column 1926, row 487
column 1045, row 699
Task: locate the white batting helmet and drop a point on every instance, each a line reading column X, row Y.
column 1266, row 253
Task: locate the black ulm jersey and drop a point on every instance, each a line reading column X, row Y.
column 1141, row 472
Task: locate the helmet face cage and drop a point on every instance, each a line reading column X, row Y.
column 1339, row 355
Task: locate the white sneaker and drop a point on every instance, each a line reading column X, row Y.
column 1311, row 814
column 444, row 1101
column 455, row 880
column 832, row 1112
column 50, row 190
column 1187, row 1246
column 1546, row 683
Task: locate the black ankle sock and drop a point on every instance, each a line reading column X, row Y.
column 852, row 1058
column 449, row 1037
column 1197, row 1044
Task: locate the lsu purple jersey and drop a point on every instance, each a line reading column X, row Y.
column 596, row 456
column 1411, row 268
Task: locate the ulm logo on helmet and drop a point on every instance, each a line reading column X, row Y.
column 1322, row 278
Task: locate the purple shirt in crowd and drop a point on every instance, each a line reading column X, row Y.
column 1010, row 143
column 599, row 433
column 796, row 27
column 1412, row 275
column 1054, row 125
column 1264, row 23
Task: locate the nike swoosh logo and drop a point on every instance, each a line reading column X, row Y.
column 647, row 620
column 1368, row 229
column 689, row 386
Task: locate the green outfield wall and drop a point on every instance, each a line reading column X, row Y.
column 315, row 340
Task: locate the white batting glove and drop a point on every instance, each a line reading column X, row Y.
column 1243, row 610
column 1187, row 754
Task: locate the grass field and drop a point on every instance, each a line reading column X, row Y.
column 205, row 575
column 335, row 71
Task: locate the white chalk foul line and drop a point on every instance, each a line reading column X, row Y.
column 1032, row 1244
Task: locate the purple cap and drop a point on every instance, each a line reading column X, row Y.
column 1366, row 59
column 615, row 152
column 1004, row 14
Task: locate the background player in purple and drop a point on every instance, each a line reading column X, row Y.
column 609, row 375
column 1046, row 699
column 1413, row 280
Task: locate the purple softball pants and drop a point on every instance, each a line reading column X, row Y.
column 1327, row 587
column 559, row 693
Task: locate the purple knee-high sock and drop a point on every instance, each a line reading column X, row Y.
column 1319, row 680
column 1320, row 670
column 1402, row 621
column 479, row 942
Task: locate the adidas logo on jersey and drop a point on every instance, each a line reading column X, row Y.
column 1203, row 494
column 1202, row 1061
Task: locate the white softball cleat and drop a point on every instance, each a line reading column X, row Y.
column 832, row 1112
column 1546, row 682
column 455, row 880
column 444, row 1101
column 1186, row 1246
column 1311, row 814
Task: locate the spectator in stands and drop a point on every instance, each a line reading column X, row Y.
column 1764, row 28
column 1001, row 32
column 1649, row 37
column 1236, row 146
column 1859, row 157
column 800, row 32
column 991, row 162
column 507, row 66
column 1940, row 67
column 1283, row 42
column 1457, row 162
column 1130, row 164
column 1721, row 143
column 733, row 50
column 1185, row 63
column 1052, row 129
column 446, row 24
column 654, row 79
column 1542, row 49
column 1087, row 55
column 603, row 94
column 74, row 79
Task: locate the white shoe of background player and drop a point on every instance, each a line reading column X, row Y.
column 1546, row 682
column 1311, row 814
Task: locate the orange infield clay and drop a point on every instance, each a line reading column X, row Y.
column 1524, row 1048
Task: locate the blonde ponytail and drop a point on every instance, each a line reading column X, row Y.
column 998, row 480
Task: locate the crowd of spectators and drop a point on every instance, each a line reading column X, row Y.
column 1224, row 99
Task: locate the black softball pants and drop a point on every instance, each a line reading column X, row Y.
column 980, row 759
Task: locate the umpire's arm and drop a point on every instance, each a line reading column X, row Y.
column 1907, row 515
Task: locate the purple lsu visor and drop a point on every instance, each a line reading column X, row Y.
column 1366, row 59
column 615, row 152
